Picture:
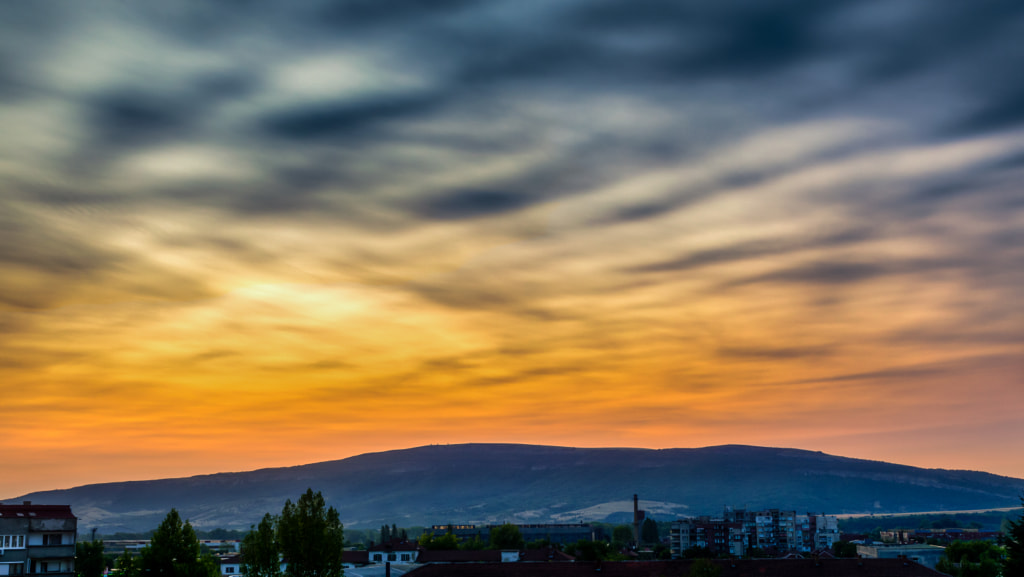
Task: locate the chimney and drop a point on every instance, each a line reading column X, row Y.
column 636, row 520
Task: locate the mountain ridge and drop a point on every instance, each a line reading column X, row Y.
column 481, row 483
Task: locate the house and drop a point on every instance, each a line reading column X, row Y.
column 394, row 551
column 37, row 539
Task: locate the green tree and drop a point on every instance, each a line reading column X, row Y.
column 311, row 537
column 385, row 533
column 474, row 544
column 586, row 550
column 260, row 553
column 446, row 542
column 89, row 560
column 704, row 568
column 844, row 549
column 622, row 536
column 506, row 536
column 649, row 532
column 1013, row 564
column 174, row 551
column 127, row 565
column 970, row 559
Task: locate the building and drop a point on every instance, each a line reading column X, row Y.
column 738, row 531
column 927, row 555
column 554, row 533
column 37, row 540
column 682, row 568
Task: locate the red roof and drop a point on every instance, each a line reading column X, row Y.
column 737, row 568
column 29, row 511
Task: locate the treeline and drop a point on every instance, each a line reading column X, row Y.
column 988, row 521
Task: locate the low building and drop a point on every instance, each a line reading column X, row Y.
column 682, row 568
column 37, row 539
column 927, row 555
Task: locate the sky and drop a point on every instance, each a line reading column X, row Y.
column 246, row 234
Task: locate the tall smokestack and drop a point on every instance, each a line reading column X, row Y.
column 636, row 520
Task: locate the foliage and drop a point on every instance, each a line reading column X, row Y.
column 970, row 559
column 844, row 549
column 506, row 536
column 622, row 536
column 474, row 544
column 127, row 565
column 260, row 553
column 89, row 560
column 174, row 552
column 311, row 537
column 698, row 553
column 1013, row 564
column 585, row 550
column 704, row 568
column 539, row 544
column 988, row 521
column 649, row 532
column 446, row 542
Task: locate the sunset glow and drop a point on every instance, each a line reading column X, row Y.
column 300, row 232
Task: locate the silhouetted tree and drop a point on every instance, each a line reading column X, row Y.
column 260, row 553
column 311, row 537
column 174, row 552
column 506, row 536
column 649, row 532
column 1013, row 564
column 89, row 560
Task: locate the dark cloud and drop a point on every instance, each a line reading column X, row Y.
column 130, row 118
column 462, row 204
column 361, row 13
column 756, row 249
column 341, row 120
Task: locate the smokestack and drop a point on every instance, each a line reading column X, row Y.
column 636, row 520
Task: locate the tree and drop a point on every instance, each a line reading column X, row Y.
column 89, row 560
column 844, row 549
column 174, row 552
column 385, row 533
column 649, row 532
column 1013, row 564
column 622, row 535
column 260, row 554
column 586, row 550
column 506, row 536
column 705, row 568
column 311, row 537
column 127, row 566
column 446, row 542
column 970, row 559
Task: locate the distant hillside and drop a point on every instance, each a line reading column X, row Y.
column 480, row 483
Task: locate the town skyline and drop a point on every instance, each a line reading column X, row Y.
column 245, row 236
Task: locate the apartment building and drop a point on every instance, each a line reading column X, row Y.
column 37, row 540
column 738, row 531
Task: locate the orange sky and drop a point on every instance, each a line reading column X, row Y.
column 255, row 248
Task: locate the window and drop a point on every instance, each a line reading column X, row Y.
column 52, row 539
column 376, row 556
column 405, row 557
column 228, row 570
column 391, row 557
column 12, row 541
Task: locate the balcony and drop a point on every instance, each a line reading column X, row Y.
column 51, row 551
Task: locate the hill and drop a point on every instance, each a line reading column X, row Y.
column 481, row 483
